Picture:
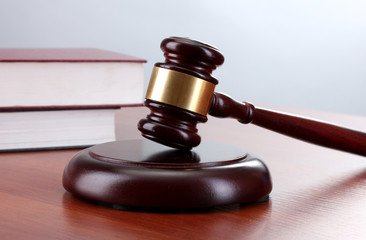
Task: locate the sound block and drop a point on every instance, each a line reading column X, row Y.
column 141, row 173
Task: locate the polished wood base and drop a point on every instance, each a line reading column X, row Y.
column 141, row 173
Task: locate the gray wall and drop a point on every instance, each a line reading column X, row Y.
column 306, row 53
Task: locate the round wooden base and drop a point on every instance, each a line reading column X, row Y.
column 142, row 173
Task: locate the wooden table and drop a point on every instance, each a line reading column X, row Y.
column 318, row 193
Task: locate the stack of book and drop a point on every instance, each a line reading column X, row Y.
column 64, row 98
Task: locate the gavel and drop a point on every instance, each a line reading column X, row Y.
column 181, row 93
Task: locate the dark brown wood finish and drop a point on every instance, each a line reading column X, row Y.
column 309, row 130
column 171, row 126
column 141, row 173
column 318, row 193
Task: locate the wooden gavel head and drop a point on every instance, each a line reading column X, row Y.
column 180, row 92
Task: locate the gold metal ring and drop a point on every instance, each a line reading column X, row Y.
column 180, row 90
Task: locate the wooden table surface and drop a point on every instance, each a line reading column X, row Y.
column 318, row 193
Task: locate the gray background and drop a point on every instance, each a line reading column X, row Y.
column 307, row 53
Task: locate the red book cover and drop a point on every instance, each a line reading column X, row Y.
column 63, row 55
column 68, row 78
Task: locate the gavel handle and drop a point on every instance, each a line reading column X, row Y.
column 309, row 130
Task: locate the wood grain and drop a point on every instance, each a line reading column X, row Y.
column 299, row 127
column 318, row 194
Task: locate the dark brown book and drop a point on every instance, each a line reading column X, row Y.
column 68, row 78
column 64, row 98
